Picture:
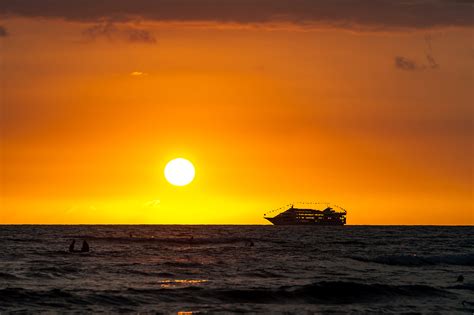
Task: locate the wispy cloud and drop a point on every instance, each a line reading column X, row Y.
column 138, row 74
column 351, row 14
column 432, row 64
column 113, row 31
column 156, row 203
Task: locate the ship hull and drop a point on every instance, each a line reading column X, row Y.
column 275, row 221
column 298, row 216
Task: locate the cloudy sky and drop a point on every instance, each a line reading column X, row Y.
column 368, row 105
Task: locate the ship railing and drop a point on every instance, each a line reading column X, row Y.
column 291, row 205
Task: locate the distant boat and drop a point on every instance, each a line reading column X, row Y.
column 297, row 216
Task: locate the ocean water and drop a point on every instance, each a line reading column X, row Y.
column 201, row 269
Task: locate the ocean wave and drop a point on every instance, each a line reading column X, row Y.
column 415, row 260
column 315, row 293
column 465, row 286
column 329, row 292
column 105, row 298
column 56, row 269
column 51, row 272
column 262, row 273
column 24, row 297
column 168, row 240
column 7, row 276
column 148, row 273
column 61, row 299
column 22, row 240
column 182, row 264
column 38, row 275
column 349, row 242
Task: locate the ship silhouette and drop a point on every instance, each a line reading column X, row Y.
column 299, row 216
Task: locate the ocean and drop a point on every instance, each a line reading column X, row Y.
column 214, row 268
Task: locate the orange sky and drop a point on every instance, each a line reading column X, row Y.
column 268, row 113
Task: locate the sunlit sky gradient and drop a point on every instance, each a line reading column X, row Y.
column 366, row 106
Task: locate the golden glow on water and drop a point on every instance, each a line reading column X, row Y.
column 168, row 283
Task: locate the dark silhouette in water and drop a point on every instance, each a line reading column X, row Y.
column 85, row 247
column 460, row 278
column 298, row 216
column 71, row 246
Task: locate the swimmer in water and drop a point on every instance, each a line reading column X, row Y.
column 85, row 247
column 249, row 243
column 71, row 246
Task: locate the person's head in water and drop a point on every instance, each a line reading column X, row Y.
column 71, row 246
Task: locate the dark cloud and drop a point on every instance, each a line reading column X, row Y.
column 107, row 30
column 432, row 64
column 404, row 63
column 138, row 35
column 3, row 31
column 111, row 31
column 353, row 14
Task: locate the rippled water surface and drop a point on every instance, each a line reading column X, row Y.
column 214, row 269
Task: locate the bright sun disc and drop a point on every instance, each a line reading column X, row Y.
column 179, row 172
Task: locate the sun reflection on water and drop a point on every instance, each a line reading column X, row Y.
column 169, row 283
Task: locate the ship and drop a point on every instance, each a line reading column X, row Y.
column 300, row 216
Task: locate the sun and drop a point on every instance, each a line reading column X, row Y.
column 179, row 172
